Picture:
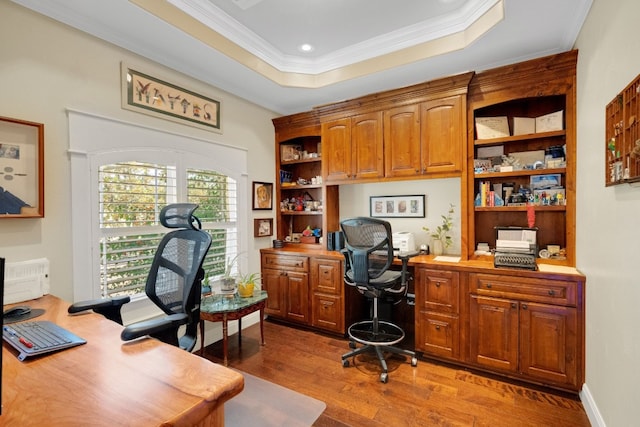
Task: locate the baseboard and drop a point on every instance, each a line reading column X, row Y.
column 591, row 408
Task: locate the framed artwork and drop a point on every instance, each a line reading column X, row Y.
column 262, row 227
column 397, row 206
column 150, row 95
column 262, row 196
column 21, row 169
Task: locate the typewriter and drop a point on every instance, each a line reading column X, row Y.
column 516, row 247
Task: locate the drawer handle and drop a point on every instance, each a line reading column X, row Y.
column 437, row 284
column 437, row 327
column 552, row 292
column 525, row 306
column 488, row 285
column 513, row 305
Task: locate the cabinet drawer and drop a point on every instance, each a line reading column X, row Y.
column 557, row 292
column 328, row 313
column 285, row 262
column 327, row 276
column 438, row 334
column 439, row 291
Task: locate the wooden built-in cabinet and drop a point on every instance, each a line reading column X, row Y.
column 354, row 148
column 286, row 280
column 409, row 133
column 528, row 328
column 527, row 325
column 306, row 288
column 529, row 89
column 438, row 312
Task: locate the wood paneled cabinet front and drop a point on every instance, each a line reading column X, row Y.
column 438, row 312
column 528, row 328
column 327, row 287
column 286, row 280
column 352, row 148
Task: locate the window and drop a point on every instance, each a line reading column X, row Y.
column 146, row 168
column 131, row 196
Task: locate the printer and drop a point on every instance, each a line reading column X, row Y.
column 403, row 241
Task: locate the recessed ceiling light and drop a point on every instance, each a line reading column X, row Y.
column 306, row 47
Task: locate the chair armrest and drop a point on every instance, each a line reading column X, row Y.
column 108, row 307
column 154, row 327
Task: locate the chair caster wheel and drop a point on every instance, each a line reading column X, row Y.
column 414, row 361
column 352, row 345
column 345, row 363
column 384, row 377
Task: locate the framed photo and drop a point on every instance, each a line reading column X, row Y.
column 543, row 182
column 262, row 196
column 21, row 169
column 397, row 206
column 150, row 95
column 262, row 227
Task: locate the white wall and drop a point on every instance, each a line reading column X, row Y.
column 439, row 193
column 47, row 67
column 608, row 218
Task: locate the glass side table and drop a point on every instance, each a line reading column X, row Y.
column 222, row 308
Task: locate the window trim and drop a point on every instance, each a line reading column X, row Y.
column 96, row 140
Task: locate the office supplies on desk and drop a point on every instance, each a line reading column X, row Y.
column 39, row 337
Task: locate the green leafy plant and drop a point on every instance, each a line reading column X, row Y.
column 442, row 231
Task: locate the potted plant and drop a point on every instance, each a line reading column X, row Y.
column 440, row 236
column 228, row 281
column 247, row 283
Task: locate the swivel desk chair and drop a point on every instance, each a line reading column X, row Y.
column 368, row 257
column 174, row 282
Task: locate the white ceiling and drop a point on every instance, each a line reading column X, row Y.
column 250, row 47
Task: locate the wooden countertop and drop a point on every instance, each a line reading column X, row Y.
column 480, row 265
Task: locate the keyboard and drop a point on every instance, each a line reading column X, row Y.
column 39, row 337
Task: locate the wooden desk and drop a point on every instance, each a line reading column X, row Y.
column 222, row 308
column 108, row 382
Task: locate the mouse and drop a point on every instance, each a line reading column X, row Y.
column 17, row 311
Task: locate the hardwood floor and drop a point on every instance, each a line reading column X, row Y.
column 431, row 394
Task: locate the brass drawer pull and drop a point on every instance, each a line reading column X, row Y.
column 488, row 285
column 552, row 292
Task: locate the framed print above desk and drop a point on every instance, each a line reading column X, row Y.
column 397, row 206
column 21, row 169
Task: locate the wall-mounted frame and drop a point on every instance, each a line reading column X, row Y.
column 150, row 95
column 397, row 206
column 262, row 227
column 21, row 169
column 262, row 196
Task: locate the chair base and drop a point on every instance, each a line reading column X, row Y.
column 378, row 336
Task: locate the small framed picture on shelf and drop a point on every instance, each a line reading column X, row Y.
column 542, row 182
column 262, row 227
column 262, row 196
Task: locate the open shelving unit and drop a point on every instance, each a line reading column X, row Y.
column 530, row 89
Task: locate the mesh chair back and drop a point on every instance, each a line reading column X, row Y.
column 175, row 279
column 369, row 246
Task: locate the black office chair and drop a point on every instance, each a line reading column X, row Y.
column 368, row 257
column 174, row 282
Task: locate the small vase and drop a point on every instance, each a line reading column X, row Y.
column 438, row 247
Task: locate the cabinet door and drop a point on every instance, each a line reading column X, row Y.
column 275, row 283
column 438, row 290
column 548, row 343
column 297, row 297
column 493, row 336
column 336, row 150
column 402, row 141
column 366, row 141
column 442, row 135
